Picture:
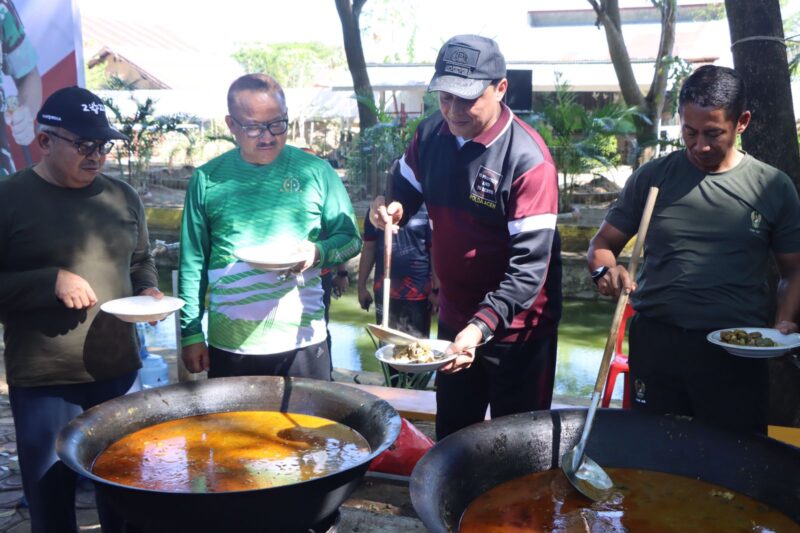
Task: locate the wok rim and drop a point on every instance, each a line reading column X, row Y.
column 393, row 425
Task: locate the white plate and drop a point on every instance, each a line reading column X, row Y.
column 785, row 343
column 269, row 257
column 142, row 308
column 384, row 354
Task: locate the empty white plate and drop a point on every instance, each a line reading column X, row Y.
column 142, row 308
column 269, row 257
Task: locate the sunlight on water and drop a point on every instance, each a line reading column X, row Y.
column 575, row 373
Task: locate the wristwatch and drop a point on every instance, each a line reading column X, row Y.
column 486, row 333
column 342, row 273
column 598, row 273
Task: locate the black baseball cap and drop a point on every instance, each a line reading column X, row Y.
column 466, row 65
column 80, row 111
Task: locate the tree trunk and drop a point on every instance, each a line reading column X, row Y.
column 772, row 138
column 651, row 105
column 351, row 32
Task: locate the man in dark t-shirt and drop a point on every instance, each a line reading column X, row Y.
column 719, row 216
column 70, row 239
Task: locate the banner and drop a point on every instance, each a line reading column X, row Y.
column 42, row 52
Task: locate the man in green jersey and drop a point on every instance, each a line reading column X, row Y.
column 262, row 193
column 719, row 215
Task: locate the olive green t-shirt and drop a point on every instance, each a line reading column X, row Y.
column 98, row 232
column 707, row 248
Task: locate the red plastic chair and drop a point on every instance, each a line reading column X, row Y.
column 619, row 365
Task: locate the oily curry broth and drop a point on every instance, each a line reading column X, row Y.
column 643, row 501
column 240, row 450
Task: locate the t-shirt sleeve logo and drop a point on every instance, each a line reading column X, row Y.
column 484, row 190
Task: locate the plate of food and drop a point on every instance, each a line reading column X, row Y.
column 142, row 308
column 420, row 356
column 270, row 257
column 754, row 342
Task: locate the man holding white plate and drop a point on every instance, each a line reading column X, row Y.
column 720, row 215
column 70, row 238
column 250, row 215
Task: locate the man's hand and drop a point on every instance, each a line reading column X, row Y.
column 155, row 293
column 195, row 357
column 464, row 346
column 364, row 298
column 74, row 291
column 614, row 281
column 21, row 122
column 310, row 253
column 786, row 327
column 433, row 300
column 380, row 215
column 340, row 284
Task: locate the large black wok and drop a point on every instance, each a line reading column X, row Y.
column 285, row 508
column 468, row 463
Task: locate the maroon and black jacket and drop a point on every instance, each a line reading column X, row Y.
column 493, row 203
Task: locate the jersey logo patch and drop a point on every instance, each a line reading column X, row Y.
column 484, row 191
column 290, row 185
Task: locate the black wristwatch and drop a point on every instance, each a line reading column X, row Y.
column 342, row 273
column 598, row 273
column 486, row 333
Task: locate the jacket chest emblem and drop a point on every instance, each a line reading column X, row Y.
column 484, row 189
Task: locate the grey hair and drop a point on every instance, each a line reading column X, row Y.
column 46, row 128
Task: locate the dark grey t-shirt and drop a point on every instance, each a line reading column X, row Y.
column 709, row 241
column 99, row 233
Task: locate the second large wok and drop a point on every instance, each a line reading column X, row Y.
column 466, row 464
column 282, row 508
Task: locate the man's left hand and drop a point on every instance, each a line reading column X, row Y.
column 21, row 122
column 310, row 253
column 464, row 346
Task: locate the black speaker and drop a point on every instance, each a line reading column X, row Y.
column 519, row 96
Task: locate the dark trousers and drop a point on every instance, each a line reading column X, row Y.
column 39, row 414
column 508, row 378
column 310, row 362
column 679, row 372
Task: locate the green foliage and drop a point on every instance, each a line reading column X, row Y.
column 97, row 79
column 374, row 150
column 146, row 131
column 679, row 70
column 292, row 64
column 580, row 139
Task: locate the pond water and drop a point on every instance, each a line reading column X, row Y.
column 582, row 337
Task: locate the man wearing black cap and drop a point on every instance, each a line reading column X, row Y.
column 491, row 190
column 70, row 239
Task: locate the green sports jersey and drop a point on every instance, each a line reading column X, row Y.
column 232, row 204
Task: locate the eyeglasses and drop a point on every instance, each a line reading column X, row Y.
column 85, row 147
column 276, row 127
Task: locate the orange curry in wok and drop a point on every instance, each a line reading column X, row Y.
column 234, row 451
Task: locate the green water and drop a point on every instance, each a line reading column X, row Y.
column 581, row 339
column 582, row 336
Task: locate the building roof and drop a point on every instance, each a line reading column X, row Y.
column 158, row 54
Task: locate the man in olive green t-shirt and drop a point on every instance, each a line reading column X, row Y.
column 719, row 216
column 70, row 239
